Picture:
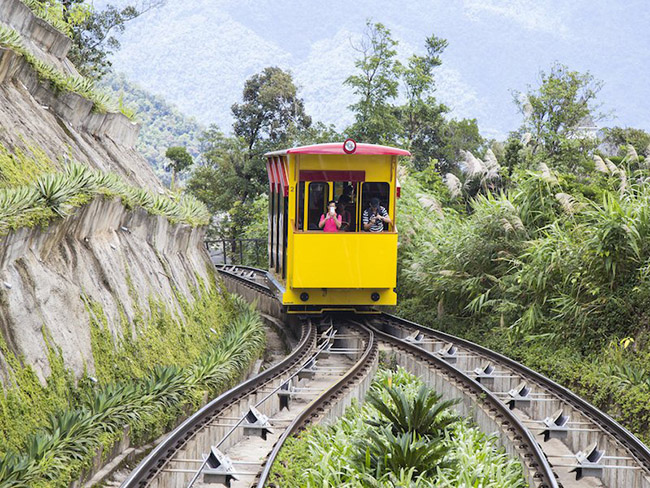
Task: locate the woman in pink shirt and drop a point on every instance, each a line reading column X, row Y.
column 330, row 222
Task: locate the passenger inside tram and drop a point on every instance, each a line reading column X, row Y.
column 353, row 202
column 375, row 217
column 331, row 220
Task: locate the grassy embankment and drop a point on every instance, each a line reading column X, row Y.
column 50, row 433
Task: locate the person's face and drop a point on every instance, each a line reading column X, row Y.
column 331, row 208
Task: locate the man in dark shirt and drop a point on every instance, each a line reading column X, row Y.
column 375, row 216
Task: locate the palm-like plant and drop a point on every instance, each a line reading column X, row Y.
column 14, row 201
column 382, row 451
column 10, row 38
column 55, row 190
column 16, row 470
column 425, row 415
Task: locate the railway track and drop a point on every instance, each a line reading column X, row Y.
column 562, row 440
column 226, row 443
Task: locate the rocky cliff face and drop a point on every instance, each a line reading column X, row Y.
column 103, row 252
column 63, row 125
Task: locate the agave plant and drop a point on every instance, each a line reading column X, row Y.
column 16, row 200
column 113, row 405
column 80, row 85
column 194, row 210
column 10, row 38
column 55, row 190
column 382, row 451
column 16, row 471
column 81, row 177
column 53, row 14
column 424, row 415
column 163, row 205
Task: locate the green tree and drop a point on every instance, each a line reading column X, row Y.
column 233, row 173
column 93, row 32
column 555, row 114
column 271, row 113
column 617, row 139
column 422, row 117
column 457, row 136
column 180, row 161
column 228, row 173
column 513, row 157
column 376, row 84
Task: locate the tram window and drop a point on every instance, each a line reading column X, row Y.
column 376, row 190
column 318, row 197
column 300, row 205
column 346, row 198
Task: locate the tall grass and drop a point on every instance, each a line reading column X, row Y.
column 559, row 262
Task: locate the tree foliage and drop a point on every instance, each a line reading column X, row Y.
column 232, row 173
column 617, row 139
column 559, row 114
column 93, row 32
column 179, row 159
column 376, row 85
column 419, row 124
column 271, row 113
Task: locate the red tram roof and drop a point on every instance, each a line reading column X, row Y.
column 337, row 149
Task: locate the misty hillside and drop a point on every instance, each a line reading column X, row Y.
column 198, row 53
column 161, row 124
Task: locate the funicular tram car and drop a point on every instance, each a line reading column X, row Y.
column 312, row 270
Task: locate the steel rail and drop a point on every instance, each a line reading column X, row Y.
column 317, row 405
column 154, row 462
column 608, row 424
column 264, row 289
column 625, row 439
column 242, row 419
column 533, row 456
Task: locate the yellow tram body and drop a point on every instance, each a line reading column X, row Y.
column 312, row 270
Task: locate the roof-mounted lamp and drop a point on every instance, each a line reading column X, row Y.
column 349, row 146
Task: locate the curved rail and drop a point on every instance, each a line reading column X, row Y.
column 616, row 436
column 360, row 368
column 154, row 462
column 625, row 437
column 243, row 274
column 530, row 452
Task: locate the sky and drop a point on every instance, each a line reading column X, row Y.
column 198, row 53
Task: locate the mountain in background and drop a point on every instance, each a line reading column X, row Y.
column 198, row 53
column 162, row 124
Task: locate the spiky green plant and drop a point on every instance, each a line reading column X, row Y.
column 55, row 189
column 56, row 453
column 52, row 12
column 425, row 414
column 16, row 470
column 381, row 452
column 11, row 39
